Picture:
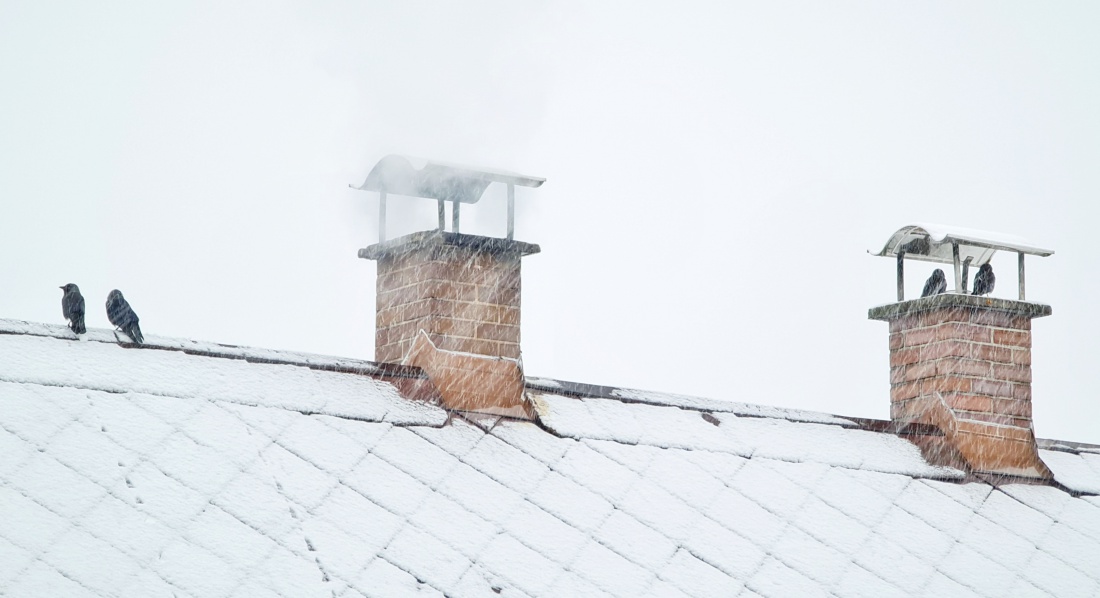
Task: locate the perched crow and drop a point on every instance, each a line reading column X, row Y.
column 984, row 280
column 72, row 307
column 124, row 318
column 935, row 284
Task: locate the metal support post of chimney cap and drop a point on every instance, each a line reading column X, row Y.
column 901, row 277
column 381, row 216
column 961, row 247
column 1020, row 273
column 511, row 211
column 958, row 266
column 412, row 177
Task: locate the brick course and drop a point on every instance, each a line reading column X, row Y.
column 958, row 358
column 463, row 290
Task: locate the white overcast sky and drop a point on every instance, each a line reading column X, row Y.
column 716, row 172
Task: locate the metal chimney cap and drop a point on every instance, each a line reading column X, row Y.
column 415, row 177
column 933, row 243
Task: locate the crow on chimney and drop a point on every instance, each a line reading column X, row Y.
column 984, row 280
column 936, row 284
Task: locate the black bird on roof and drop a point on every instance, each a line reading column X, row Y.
column 122, row 316
column 72, row 307
column 984, row 280
column 936, row 284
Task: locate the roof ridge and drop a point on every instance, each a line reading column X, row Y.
column 313, row 361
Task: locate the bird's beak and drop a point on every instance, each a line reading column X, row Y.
column 62, row 288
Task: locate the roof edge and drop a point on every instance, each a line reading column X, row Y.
column 218, row 350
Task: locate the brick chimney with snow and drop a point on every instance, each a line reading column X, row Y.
column 960, row 362
column 447, row 302
column 462, row 290
column 963, row 364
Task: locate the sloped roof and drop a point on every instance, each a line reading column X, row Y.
column 151, row 471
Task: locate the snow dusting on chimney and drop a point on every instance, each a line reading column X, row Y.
column 963, row 364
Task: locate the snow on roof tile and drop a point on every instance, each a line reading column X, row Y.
column 97, row 363
column 781, row 439
column 139, row 471
column 1073, row 470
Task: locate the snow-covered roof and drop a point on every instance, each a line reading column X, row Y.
column 934, row 244
column 156, row 471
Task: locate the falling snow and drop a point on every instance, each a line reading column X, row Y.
column 151, row 471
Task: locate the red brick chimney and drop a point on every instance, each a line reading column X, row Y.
column 462, row 290
column 961, row 362
column 447, row 302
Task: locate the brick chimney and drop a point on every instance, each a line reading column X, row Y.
column 462, row 290
column 963, row 364
column 448, row 302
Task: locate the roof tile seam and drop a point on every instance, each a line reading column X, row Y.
column 241, row 470
column 275, row 546
column 962, row 581
column 570, row 566
column 288, row 501
column 38, row 559
column 710, row 521
column 662, row 576
column 524, row 498
column 399, row 467
column 851, row 560
column 763, row 591
column 565, row 569
column 825, row 542
column 956, row 541
column 871, row 530
column 1056, row 521
column 897, row 545
column 182, row 532
column 35, row 556
column 339, row 482
column 106, row 494
column 791, row 524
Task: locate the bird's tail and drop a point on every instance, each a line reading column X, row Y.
column 134, row 332
column 78, row 325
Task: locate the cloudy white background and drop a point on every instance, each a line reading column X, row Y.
column 716, row 173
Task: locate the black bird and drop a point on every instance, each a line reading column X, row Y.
column 935, row 284
column 984, row 280
column 72, row 307
column 122, row 316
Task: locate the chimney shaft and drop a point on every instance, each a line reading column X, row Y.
column 462, row 290
column 963, row 364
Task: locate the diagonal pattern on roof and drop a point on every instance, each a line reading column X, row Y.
column 188, row 490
